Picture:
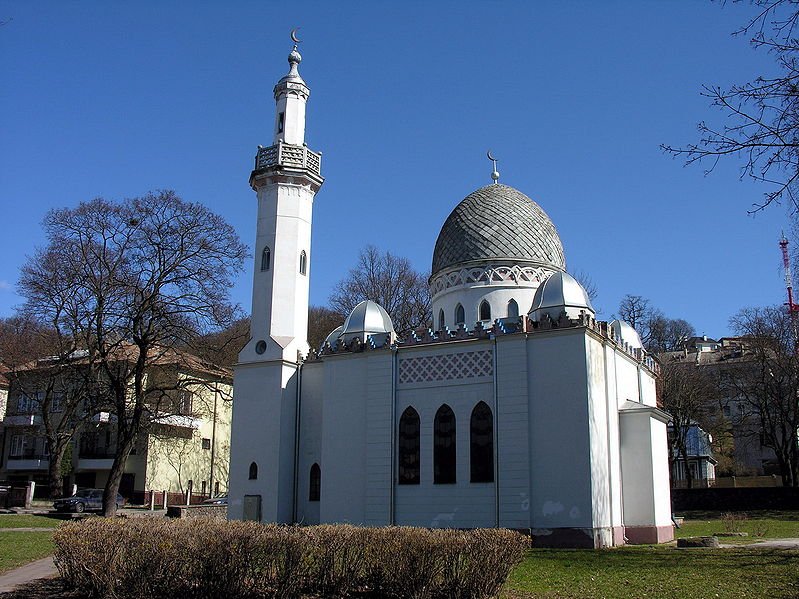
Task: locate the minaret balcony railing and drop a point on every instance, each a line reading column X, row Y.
column 288, row 156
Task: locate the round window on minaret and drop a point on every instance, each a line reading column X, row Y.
column 260, row 347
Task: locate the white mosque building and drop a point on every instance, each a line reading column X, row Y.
column 518, row 410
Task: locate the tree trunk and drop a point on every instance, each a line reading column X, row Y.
column 54, row 478
column 115, row 477
column 689, row 479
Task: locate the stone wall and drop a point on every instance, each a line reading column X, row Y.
column 218, row 512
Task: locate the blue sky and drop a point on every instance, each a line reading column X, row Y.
column 115, row 99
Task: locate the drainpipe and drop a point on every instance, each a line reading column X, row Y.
column 496, row 432
column 392, row 502
column 213, row 442
column 611, row 407
column 297, row 408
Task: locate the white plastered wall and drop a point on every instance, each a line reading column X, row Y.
column 356, row 440
column 470, row 298
column 264, row 407
column 560, row 446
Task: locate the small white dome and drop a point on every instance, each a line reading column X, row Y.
column 560, row 292
column 333, row 336
column 367, row 318
column 624, row 331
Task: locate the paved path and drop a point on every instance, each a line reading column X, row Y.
column 43, row 568
column 776, row 544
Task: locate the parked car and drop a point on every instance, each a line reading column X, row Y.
column 216, row 500
column 85, row 500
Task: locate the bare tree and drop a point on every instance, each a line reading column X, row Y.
column 658, row 332
column 635, row 311
column 767, row 384
column 761, row 124
column 390, row 281
column 222, row 347
column 139, row 277
column 667, row 334
column 588, row 283
column 321, row 322
column 688, row 392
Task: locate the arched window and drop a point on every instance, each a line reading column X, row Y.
column 266, row 259
column 481, row 444
column 315, row 486
column 460, row 316
column 485, row 310
column 444, row 446
column 409, row 448
column 253, row 471
column 441, row 320
column 513, row 309
column 303, row 262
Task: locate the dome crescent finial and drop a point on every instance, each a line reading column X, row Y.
column 494, row 172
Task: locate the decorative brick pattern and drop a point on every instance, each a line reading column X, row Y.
column 446, row 367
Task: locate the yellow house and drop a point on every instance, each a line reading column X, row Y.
column 183, row 448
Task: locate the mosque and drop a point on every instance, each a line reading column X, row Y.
column 517, row 409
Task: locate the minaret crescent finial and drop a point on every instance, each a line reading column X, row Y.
column 495, row 172
column 294, row 37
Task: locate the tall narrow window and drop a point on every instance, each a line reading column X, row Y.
column 281, row 118
column 303, row 262
column 315, row 487
column 266, row 259
column 253, row 471
column 513, row 309
column 444, row 446
column 441, row 320
column 485, row 310
column 460, row 316
column 481, row 444
column 409, row 447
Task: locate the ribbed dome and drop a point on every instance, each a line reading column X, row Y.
column 560, row 292
column 624, row 331
column 498, row 222
column 367, row 318
column 333, row 336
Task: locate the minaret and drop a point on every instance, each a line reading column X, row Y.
column 266, row 379
column 286, row 178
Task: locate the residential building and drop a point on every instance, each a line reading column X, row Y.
column 186, row 443
column 739, row 443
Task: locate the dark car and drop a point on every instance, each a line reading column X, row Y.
column 85, row 500
column 216, row 501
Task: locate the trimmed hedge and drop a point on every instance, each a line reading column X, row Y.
column 209, row 559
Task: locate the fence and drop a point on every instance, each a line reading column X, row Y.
column 730, row 482
column 735, row 499
column 143, row 498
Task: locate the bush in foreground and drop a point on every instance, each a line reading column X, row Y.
column 208, row 559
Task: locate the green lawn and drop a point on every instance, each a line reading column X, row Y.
column 758, row 525
column 19, row 548
column 656, row 572
column 27, row 521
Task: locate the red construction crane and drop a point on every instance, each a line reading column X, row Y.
column 792, row 308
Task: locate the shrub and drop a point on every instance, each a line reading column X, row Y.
column 210, row 559
column 733, row 522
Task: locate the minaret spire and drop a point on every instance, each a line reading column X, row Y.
column 286, row 177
